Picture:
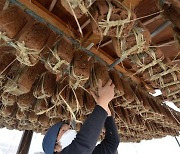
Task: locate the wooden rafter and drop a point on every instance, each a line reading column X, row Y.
column 47, row 15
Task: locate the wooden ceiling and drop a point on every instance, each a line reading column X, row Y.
column 135, row 98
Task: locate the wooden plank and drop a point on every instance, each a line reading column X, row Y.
column 48, row 16
column 91, row 38
column 151, row 6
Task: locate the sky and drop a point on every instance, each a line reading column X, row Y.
column 9, row 142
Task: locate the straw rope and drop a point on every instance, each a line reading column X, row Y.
column 169, row 91
column 75, row 4
column 137, row 48
column 40, row 85
column 120, row 24
column 142, row 66
column 59, row 62
column 119, row 119
column 24, row 54
column 163, row 85
column 157, row 76
column 81, row 4
column 80, row 79
column 39, row 90
column 174, row 93
column 6, row 5
column 12, row 85
column 176, row 100
column 59, row 100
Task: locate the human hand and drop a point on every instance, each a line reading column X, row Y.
column 105, row 94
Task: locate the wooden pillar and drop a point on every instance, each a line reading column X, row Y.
column 25, row 142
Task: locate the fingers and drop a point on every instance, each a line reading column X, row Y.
column 94, row 96
column 109, row 82
column 99, row 84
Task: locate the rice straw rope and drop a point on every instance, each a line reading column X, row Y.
column 85, row 10
column 24, row 52
column 173, row 115
column 107, row 24
column 139, row 47
column 73, row 116
column 12, row 85
column 121, row 120
column 59, row 63
column 79, row 79
column 41, row 82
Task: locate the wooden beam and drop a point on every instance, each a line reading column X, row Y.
column 107, row 58
column 47, row 15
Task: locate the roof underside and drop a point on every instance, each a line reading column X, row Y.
column 48, row 65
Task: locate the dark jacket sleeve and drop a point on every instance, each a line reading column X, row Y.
column 87, row 137
column 111, row 141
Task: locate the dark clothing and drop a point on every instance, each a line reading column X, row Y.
column 86, row 139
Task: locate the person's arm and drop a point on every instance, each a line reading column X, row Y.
column 87, row 137
column 111, row 141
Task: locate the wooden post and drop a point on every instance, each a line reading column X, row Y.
column 25, row 142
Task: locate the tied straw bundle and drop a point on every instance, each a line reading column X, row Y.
column 8, row 99
column 24, row 55
column 149, row 59
column 137, row 42
column 12, row 85
column 77, row 8
column 111, row 23
column 55, row 62
column 59, row 100
column 80, row 69
column 45, row 86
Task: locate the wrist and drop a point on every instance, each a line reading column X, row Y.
column 102, row 102
column 104, row 107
